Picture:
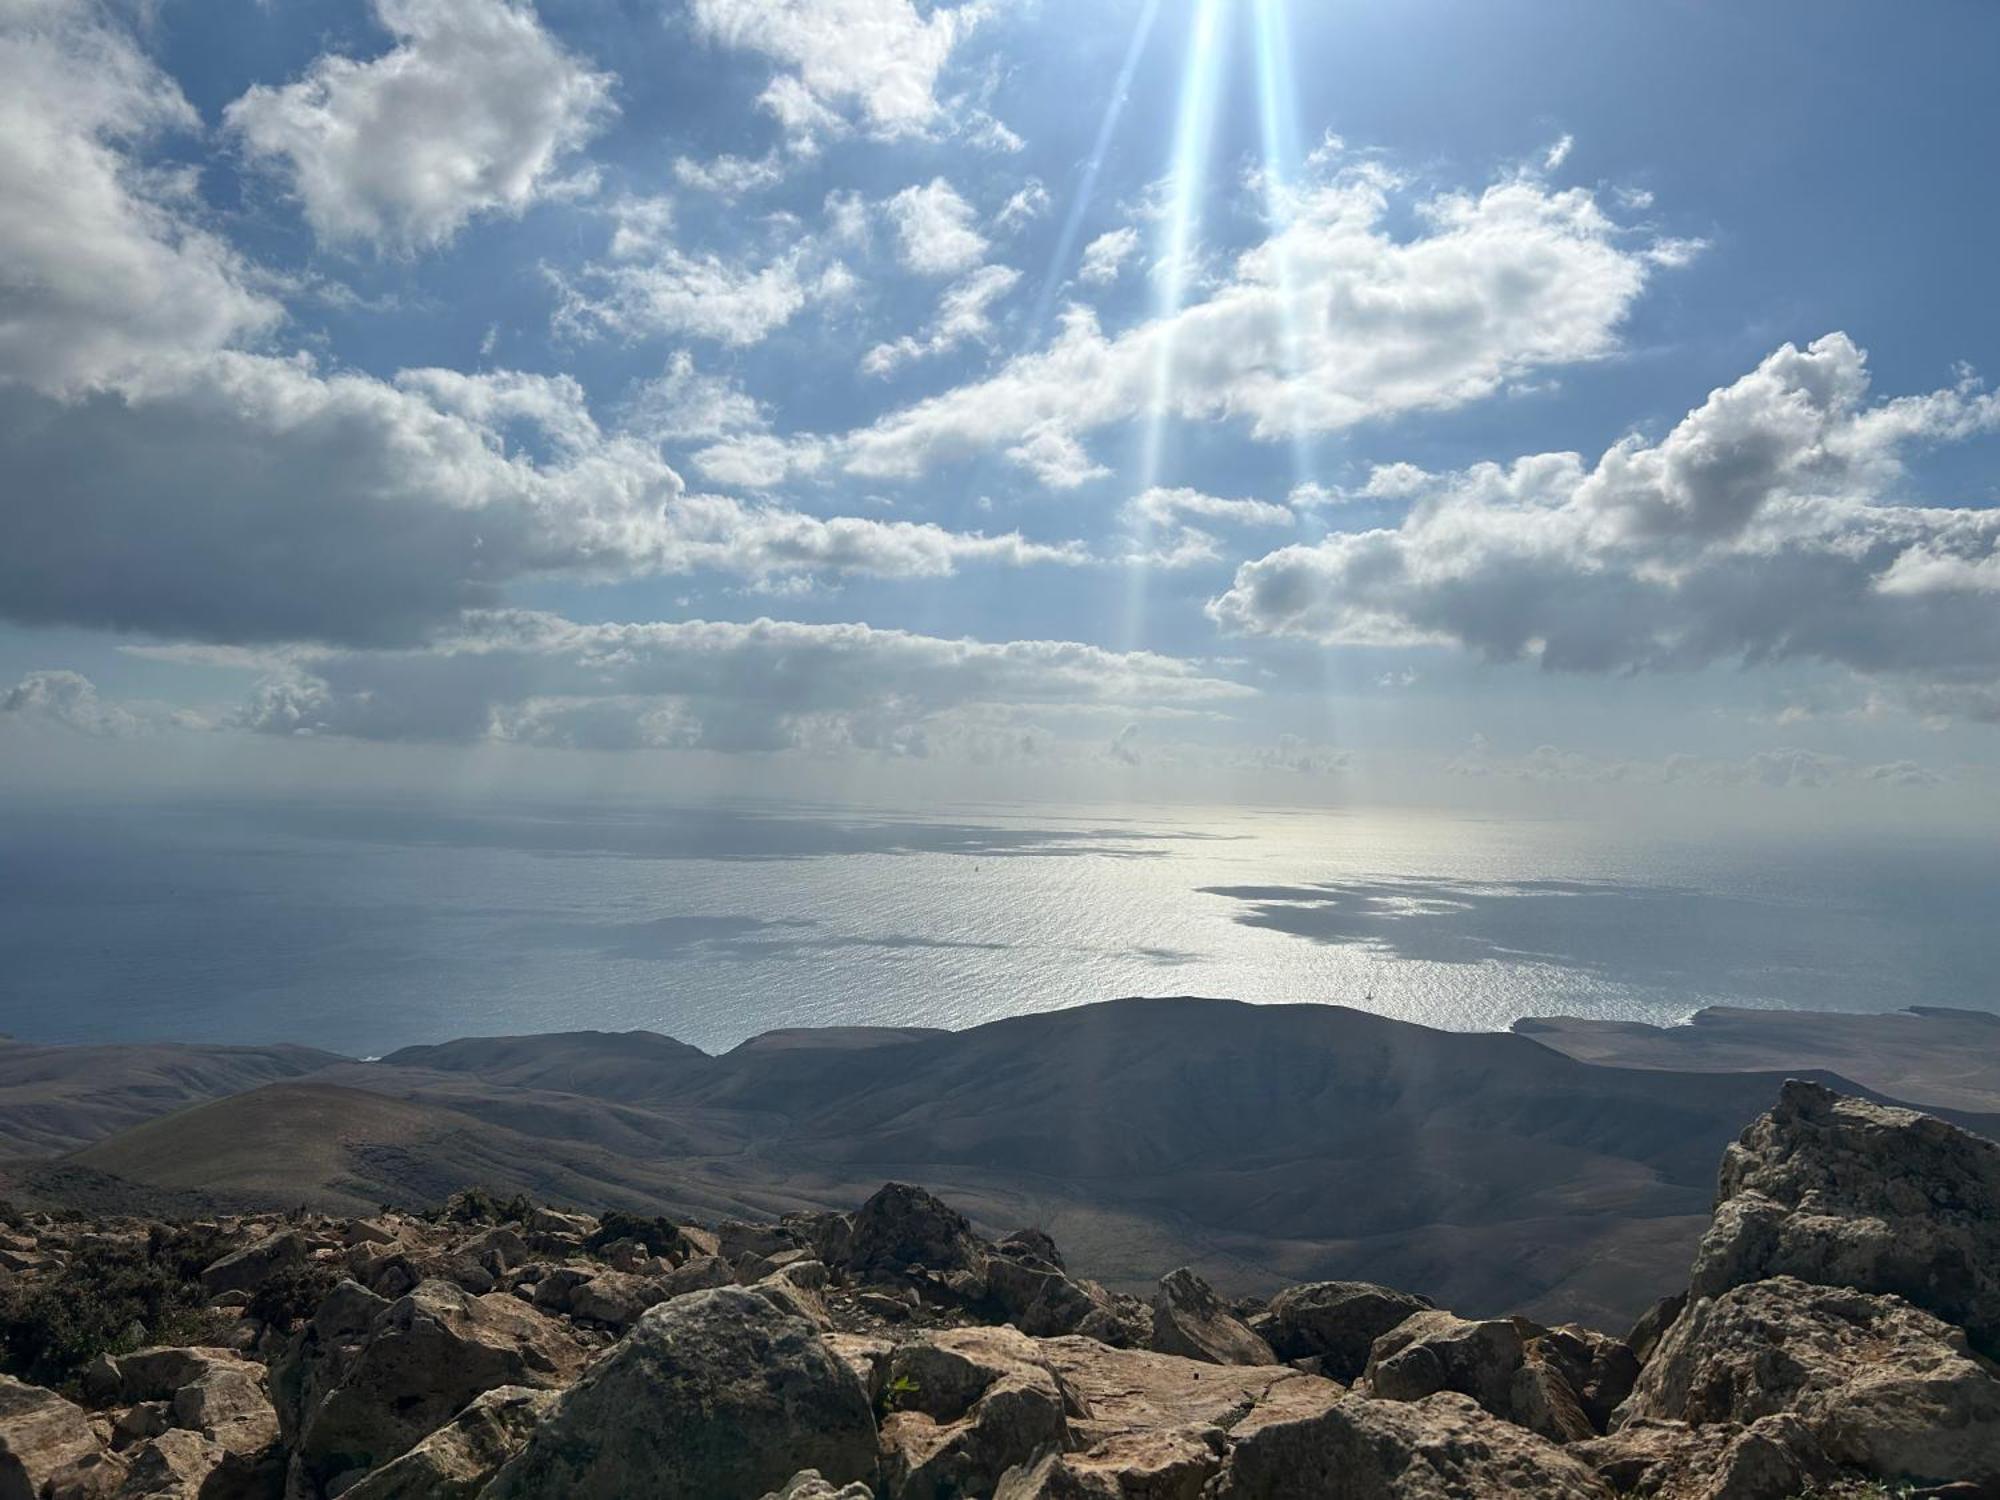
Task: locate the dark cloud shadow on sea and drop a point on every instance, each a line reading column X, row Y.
column 723, row 833
column 1638, row 933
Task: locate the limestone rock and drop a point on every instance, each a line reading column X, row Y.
column 456, row 1461
column 1439, row 1351
column 1444, row 1447
column 1156, row 1425
column 1841, row 1192
column 45, row 1439
column 615, row 1298
column 1191, row 1321
column 1334, row 1321
column 1774, row 1458
column 176, row 1465
column 808, row 1485
column 1882, row 1386
column 966, row 1405
column 421, row 1360
column 737, row 1397
column 1597, row 1370
column 249, row 1268
column 1653, row 1324
column 699, row 1274
column 902, row 1227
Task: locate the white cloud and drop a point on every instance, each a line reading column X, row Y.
column 1762, row 527
column 880, row 59
column 964, row 314
column 1158, row 520
column 730, row 177
column 1360, row 326
column 684, row 403
column 471, row 112
column 104, row 264
column 934, row 229
column 766, row 685
column 70, row 699
column 243, row 498
column 1105, row 257
column 1029, row 203
column 1558, row 152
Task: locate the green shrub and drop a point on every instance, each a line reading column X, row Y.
column 659, row 1236
column 476, row 1205
column 292, row 1292
column 109, row 1299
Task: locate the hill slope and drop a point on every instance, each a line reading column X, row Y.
column 1259, row 1143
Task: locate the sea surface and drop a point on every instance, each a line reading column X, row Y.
column 363, row 928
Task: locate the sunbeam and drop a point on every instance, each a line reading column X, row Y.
column 1187, row 181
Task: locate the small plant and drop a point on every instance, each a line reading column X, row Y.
column 899, row 1393
column 292, row 1292
column 659, row 1236
column 476, row 1205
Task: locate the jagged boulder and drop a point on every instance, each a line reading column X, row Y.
column 1335, row 1322
column 1499, row 1362
column 1882, row 1386
column 966, row 1405
column 1156, row 1425
column 358, row 1399
column 1774, row 1458
column 736, row 1397
column 47, row 1442
column 1191, row 1321
column 1032, row 1291
column 1596, row 1370
column 176, row 1465
column 249, row 1268
column 615, row 1298
column 811, row 1486
column 1444, row 1447
column 1841, row 1192
column 1440, row 1351
column 902, row 1227
column 456, row 1461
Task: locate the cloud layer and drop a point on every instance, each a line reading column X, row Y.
column 1763, row 527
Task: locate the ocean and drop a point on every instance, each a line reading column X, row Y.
column 366, row 927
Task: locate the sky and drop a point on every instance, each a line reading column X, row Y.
column 1239, row 400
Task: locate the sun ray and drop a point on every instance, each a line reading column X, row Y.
column 1187, row 182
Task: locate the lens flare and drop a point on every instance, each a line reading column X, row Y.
column 1278, row 117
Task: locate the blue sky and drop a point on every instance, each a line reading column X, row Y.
column 1225, row 398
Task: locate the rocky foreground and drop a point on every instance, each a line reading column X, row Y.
column 1835, row 1338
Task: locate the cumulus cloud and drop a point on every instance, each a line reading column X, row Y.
column 964, row 314
column 1104, row 258
column 1762, row 527
column 728, row 176
column 1160, row 520
column 70, row 699
column 247, row 498
column 766, row 685
column 1027, row 204
column 877, row 61
column 103, row 264
column 648, row 286
column 471, row 112
column 1331, row 322
column 934, row 229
